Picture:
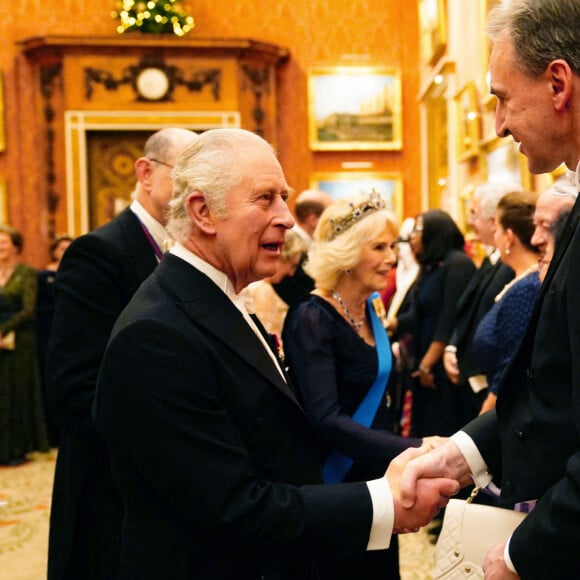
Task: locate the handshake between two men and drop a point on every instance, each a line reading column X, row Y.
column 422, row 482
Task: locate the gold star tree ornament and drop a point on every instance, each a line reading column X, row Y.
column 154, row 16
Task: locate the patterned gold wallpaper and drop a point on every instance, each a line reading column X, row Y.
column 317, row 33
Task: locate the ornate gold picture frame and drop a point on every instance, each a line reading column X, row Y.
column 468, row 122
column 433, row 30
column 346, row 183
column 355, row 108
column 503, row 163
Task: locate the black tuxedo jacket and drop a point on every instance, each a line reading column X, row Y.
column 215, row 458
column 532, row 440
column 477, row 298
column 98, row 275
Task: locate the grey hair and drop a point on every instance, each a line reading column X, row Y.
column 490, row 194
column 207, row 165
column 564, row 187
column 164, row 145
column 541, row 31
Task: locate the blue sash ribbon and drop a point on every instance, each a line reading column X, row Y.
column 337, row 465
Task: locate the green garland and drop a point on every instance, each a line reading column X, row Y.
column 154, row 16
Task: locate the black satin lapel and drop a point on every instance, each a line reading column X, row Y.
column 230, row 327
column 207, row 306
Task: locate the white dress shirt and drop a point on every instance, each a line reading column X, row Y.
column 157, row 231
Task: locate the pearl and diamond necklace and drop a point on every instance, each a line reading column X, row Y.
column 357, row 326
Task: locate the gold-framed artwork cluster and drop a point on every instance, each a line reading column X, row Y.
column 355, row 108
column 389, row 184
column 468, row 122
column 433, row 30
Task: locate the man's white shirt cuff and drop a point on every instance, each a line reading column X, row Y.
column 506, row 557
column 479, row 473
column 383, row 514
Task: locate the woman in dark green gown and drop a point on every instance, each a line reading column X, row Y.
column 22, row 421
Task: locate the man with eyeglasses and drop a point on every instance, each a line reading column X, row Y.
column 558, row 198
column 99, row 274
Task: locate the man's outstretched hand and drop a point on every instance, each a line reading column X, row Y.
column 445, row 463
column 430, row 494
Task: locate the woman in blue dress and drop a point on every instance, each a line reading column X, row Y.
column 340, row 358
column 502, row 328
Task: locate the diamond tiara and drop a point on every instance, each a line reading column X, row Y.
column 374, row 202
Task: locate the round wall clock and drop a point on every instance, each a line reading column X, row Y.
column 152, row 84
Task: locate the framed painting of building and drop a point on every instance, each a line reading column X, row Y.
column 347, row 183
column 355, row 108
column 504, row 163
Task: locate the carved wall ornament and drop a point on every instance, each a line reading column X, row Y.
column 154, row 80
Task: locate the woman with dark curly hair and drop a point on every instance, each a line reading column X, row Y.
column 445, row 270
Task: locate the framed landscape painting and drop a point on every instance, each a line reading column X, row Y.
column 355, row 108
column 504, row 163
column 346, row 183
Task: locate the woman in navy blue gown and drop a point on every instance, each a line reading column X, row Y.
column 339, row 358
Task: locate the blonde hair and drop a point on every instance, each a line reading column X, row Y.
column 293, row 246
column 328, row 259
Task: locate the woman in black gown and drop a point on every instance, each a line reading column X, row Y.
column 444, row 272
column 335, row 351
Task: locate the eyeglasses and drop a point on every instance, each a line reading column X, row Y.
column 161, row 162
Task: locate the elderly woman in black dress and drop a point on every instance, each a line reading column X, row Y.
column 340, row 358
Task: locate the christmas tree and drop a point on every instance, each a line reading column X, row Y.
column 155, row 16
